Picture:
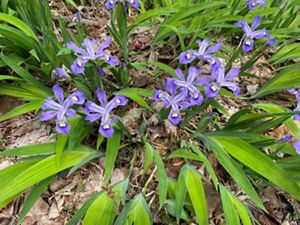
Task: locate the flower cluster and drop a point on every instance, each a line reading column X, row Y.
column 251, row 33
column 89, row 53
column 62, row 110
column 182, row 93
column 110, row 4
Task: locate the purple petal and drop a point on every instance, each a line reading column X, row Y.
column 260, row 34
column 70, row 113
column 187, row 57
column 256, row 22
column 106, row 129
column 76, row 97
column 212, row 90
column 75, row 48
column 134, row 3
column 245, row 27
column 78, row 65
column 203, row 80
column 88, row 44
column 118, row 100
column 202, row 46
column 58, row 93
column 296, row 117
column 170, row 86
column 233, row 86
column 92, row 117
column 248, row 45
column 157, row 95
column 214, row 48
column 100, row 71
column 101, row 95
column 196, row 98
column 179, row 74
column 62, row 127
column 104, row 45
column 193, row 73
column 91, row 107
column 218, row 74
column 296, row 145
column 174, row 117
column 50, row 104
column 232, row 74
column 110, row 4
column 60, row 72
column 48, row 115
column 109, row 59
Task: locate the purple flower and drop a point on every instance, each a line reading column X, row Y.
column 252, row 4
column 78, row 16
column 110, row 4
column 61, row 109
column 297, row 94
column 203, row 53
column 62, row 72
column 296, row 145
column 251, row 33
column 222, row 80
column 194, row 95
column 172, row 100
column 89, row 53
column 95, row 112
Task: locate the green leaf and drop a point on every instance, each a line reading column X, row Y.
column 38, row 172
column 195, row 189
column 231, row 216
column 112, row 149
column 19, row 24
column 60, row 145
column 235, row 172
column 260, row 163
column 287, row 78
column 102, row 211
column 148, row 157
column 25, row 75
column 30, row 150
column 33, row 197
column 25, row 108
column 289, row 123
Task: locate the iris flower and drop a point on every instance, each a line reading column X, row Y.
column 251, row 33
column 62, row 72
column 194, row 95
column 172, row 100
column 61, row 109
column 222, row 80
column 95, row 112
column 88, row 53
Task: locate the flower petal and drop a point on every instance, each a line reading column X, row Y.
column 71, row 45
column 58, row 93
column 48, row 115
column 101, row 95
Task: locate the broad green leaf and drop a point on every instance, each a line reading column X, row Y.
column 235, row 171
column 60, row 144
column 286, row 78
column 260, row 163
column 242, row 210
column 230, row 212
column 25, row 75
column 25, row 108
column 30, row 150
column 111, row 153
column 195, row 189
column 19, row 24
column 102, row 211
column 38, row 172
